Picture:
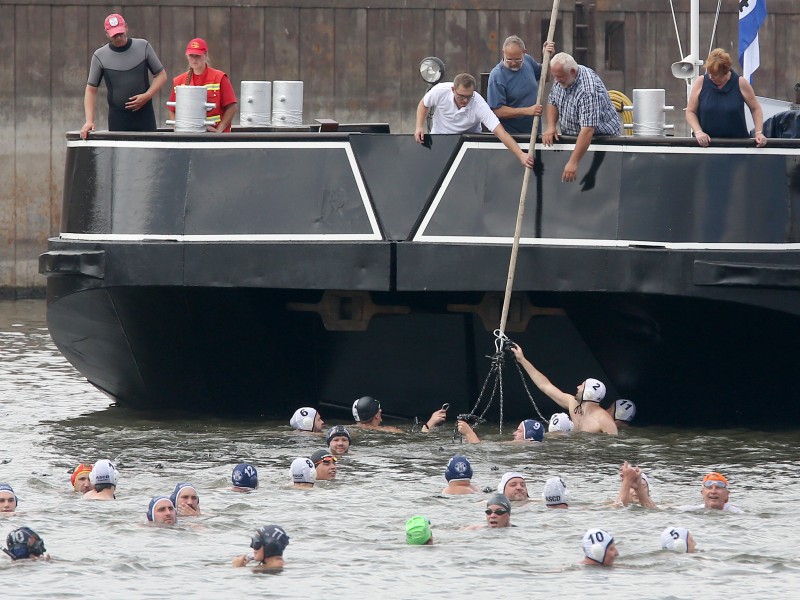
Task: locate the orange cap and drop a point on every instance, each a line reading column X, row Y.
column 81, row 468
column 714, row 476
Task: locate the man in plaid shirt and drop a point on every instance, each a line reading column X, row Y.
column 580, row 102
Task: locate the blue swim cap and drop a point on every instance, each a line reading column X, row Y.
column 24, row 542
column 152, row 506
column 458, row 468
column 177, row 490
column 534, row 430
column 245, row 475
column 4, row 487
column 272, row 538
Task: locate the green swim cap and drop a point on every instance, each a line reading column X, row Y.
column 418, row 530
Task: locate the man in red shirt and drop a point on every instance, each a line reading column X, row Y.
column 220, row 91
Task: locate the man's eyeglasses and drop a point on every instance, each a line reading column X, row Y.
column 497, row 511
column 714, row 482
column 514, row 60
column 463, row 97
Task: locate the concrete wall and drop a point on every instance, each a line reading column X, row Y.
column 357, row 58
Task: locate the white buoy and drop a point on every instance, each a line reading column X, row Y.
column 648, row 113
column 256, row 104
column 287, row 103
column 190, row 109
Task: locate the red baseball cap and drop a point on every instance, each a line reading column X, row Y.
column 114, row 24
column 197, row 46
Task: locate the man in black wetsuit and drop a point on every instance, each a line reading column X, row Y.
column 125, row 64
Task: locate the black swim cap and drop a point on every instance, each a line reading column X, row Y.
column 365, row 408
column 24, row 542
column 272, row 538
column 336, row 431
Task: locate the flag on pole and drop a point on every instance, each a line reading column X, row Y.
column 751, row 15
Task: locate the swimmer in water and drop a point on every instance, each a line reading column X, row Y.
column 25, row 544
column 338, row 440
column 161, row 511
column 368, row 415
column 185, row 499
column 634, row 487
column 716, row 493
column 677, row 539
column 555, row 493
column 418, row 531
column 584, row 407
column 80, row 479
column 498, row 514
column 303, row 473
column 560, row 424
column 622, row 411
column 8, row 499
column 512, row 485
column 307, row 419
column 244, row 478
column 324, row 465
column 529, row 430
column 458, row 474
column 103, row 477
column 268, row 544
column 599, row 548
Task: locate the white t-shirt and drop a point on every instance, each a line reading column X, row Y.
column 448, row 118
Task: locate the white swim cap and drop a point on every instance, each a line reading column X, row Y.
column 624, row 410
column 675, row 538
column 104, row 471
column 560, row 422
column 555, row 491
column 303, row 418
column 594, row 390
column 501, row 487
column 303, row 471
column 596, row 543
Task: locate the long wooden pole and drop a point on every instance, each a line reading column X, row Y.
column 512, row 265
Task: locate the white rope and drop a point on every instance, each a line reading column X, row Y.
column 714, row 31
column 677, row 35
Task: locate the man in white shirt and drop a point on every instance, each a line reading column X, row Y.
column 460, row 109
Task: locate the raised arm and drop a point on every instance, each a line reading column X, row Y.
column 542, row 382
column 755, row 109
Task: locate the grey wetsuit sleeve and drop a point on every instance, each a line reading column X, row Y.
column 96, row 72
column 153, row 63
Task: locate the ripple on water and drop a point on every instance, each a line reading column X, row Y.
column 347, row 535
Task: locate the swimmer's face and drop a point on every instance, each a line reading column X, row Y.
column 579, row 391
column 164, row 513
column 494, row 520
column 326, row 469
column 8, row 503
column 82, row 483
column 611, row 554
column 188, row 497
column 318, row 423
column 259, row 554
column 519, row 434
column 715, row 497
column 339, row 445
column 516, row 489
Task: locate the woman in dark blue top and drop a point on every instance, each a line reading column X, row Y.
column 717, row 100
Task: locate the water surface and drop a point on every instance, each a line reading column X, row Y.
column 347, row 536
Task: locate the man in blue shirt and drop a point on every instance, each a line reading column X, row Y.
column 514, row 85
